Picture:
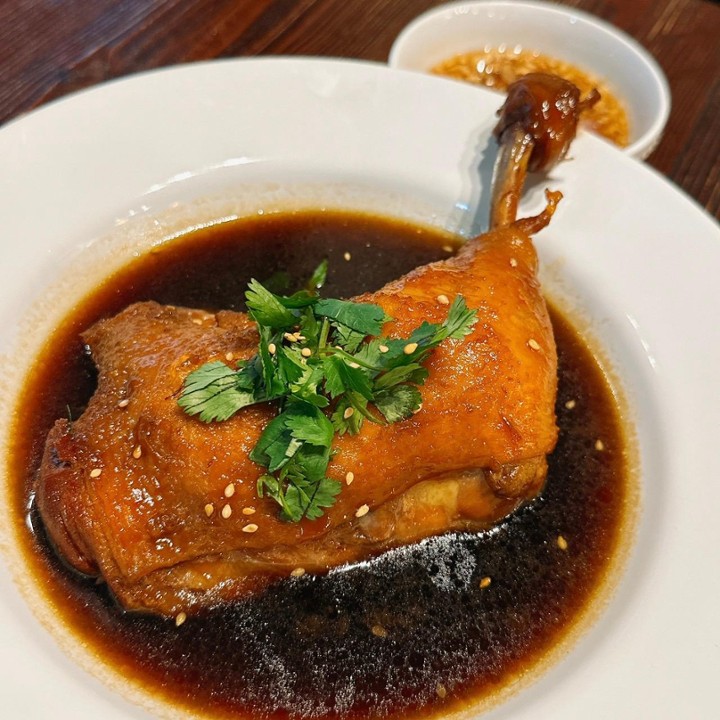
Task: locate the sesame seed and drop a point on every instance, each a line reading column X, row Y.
column 251, row 528
column 229, row 356
column 197, row 321
column 229, row 490
column 297, row 572
column 383, row 348
column 485, row 582
column 362, row 510
column 347, row 256
column 95, row 473
column 443, row 299
column 447, row 248
column 533, row 344
column 180, row 618
column 348, row 413
column 349, row 478
column 562, row 543
column 410, row 348
column 248, row 511
column 306, row 352
column 599, row 445
column 379, row 631
column 209, row 509
column 226, row 511
column 123, row 403
column 570, row 404
column 513, row 262
column 441, row 691
column 137, row 452
column 300, row 337
column 353, row 365
column 272, row 348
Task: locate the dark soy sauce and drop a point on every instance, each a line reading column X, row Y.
column 417, row 632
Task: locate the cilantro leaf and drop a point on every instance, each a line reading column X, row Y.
column 392, row 355
column 312, row 462
column 318, row 278
column 306, row 387
column 412, row 372
column 334, row 384
column 276, row 444
column 303, row 499
column 341, row 377
column 350, row 413
column 460, row 319
column 364, row 318
column 398, row 402
column 212, row 393
column 273, row 381
column 290, row 368
column 349, row 339
column 273, row 487
column 301, row 489
column 266, row 308
column 310, row 327
column 311, row 427
column 297, row 300
column 323, row 496
column 457, row 325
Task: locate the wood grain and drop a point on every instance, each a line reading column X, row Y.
column 49, row 48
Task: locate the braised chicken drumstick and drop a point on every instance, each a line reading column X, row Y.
column 138, row 492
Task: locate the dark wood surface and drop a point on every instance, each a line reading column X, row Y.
column 49, row 48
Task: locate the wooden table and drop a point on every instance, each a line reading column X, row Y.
column 50, row 48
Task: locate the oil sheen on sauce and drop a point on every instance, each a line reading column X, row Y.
column 498, row 67
column 418, row 632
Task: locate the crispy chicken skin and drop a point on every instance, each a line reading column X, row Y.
column 164, row 507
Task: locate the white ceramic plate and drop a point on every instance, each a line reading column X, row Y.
column 83, row 181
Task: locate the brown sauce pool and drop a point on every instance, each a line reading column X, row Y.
column 417, row 632
column 498, row 67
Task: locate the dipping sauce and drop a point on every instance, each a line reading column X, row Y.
column 418, row 632
column 498, row 67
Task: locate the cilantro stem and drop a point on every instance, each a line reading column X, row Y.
column 361, row 407
column 352, row 358
column 324, row 332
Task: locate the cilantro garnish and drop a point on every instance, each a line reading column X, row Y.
column 324, row 364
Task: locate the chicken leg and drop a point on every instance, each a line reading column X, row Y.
column 165, row 507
